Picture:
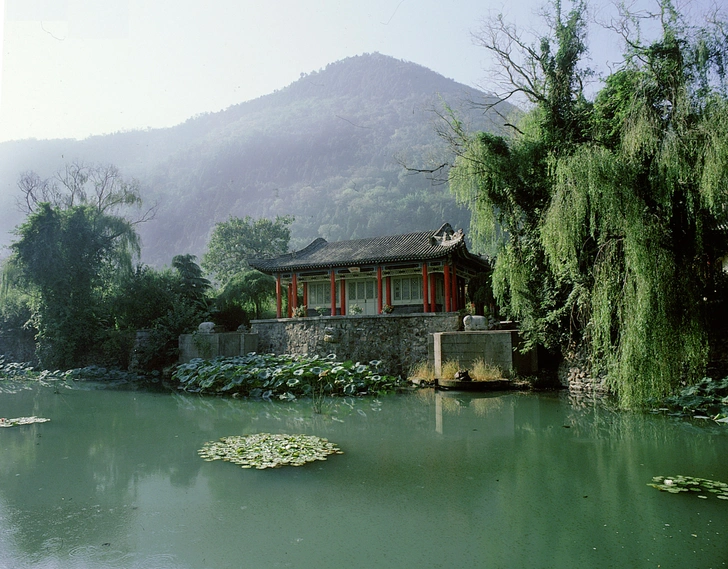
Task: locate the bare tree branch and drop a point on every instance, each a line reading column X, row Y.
column 101, row 187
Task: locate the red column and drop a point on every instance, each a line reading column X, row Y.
column 294, row 294
column 425, row 289
column 389, row 290
column 279, row 294
column 342, row 283
column 333, row 292
column 379, row 290
column 448, row 290
column 433, row 293
column 305, row 295
column 454, row 288
column 289, row 309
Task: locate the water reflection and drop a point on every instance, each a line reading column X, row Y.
column 428, row 479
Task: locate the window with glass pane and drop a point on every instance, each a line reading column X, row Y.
column 416, row 288
column 371, row 290
column 319, row 293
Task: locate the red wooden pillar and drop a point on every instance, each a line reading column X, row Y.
column 389, row 291
column 333, row 292
column 448, row 289
column 454, row 281
column 305, row 295
column 289, row 309
column 294, row 293
column 279, row 294
column 379, row 289
column 425, row 289
column 433, row 293
column 342, row 283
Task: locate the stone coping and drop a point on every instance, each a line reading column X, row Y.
column 356, row 316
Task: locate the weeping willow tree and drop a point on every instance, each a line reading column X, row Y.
column 612, row 210
column 505, row 182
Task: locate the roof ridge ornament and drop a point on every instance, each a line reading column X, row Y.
column 446, row 236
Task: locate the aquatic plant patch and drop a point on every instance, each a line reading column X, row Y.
column 264, row 450
column 701, row 486
column 21, row 421
column 284, row 377
column 15, row 370
column 25, row 371
column 707, row 399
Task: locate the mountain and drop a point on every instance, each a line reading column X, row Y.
column 326, row 149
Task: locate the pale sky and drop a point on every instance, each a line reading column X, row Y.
column 73, row 68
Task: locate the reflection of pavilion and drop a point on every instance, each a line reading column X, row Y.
column 415, row 272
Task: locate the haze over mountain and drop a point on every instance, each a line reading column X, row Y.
column 325, row 149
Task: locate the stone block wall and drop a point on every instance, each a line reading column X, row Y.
column 228, row 344
column 496, row 347
column 398, row 340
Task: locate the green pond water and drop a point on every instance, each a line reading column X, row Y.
column 508, row 481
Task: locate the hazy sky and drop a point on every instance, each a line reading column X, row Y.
column 72, row 68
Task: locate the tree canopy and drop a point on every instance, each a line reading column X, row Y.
column 67, row 251
column 234, row 241
column 606, row 216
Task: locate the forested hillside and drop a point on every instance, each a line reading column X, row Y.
column 325, row 149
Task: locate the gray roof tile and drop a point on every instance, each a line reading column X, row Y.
column 420, row 246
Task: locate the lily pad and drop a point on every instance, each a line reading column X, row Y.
column 680, row 483
column 21, row 421
column 264, row 450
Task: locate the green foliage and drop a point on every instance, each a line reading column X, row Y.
column 284, row 377
column 165, row 305
column 73, row 246
column 15, row 311
column 160, row 348
column 160, row 302
column 62, row 254
column 630, row 219
column 249, row 290
column 609, row 211
column 144, row 296
column 192, row 285
column 236, row 240
column 708, row 397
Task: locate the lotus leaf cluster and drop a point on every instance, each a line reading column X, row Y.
column 284, row 377
column 264, row 450
column 15, row 370
column 677, row 484
column 25, row 371
column 21, row 421
column 707, row 399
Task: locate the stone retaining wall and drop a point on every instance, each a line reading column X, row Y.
column 227, row 344
column 398, row 340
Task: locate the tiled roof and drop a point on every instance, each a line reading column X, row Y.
column 420, row 246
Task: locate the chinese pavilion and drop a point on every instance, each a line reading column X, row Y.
column 415, row 272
